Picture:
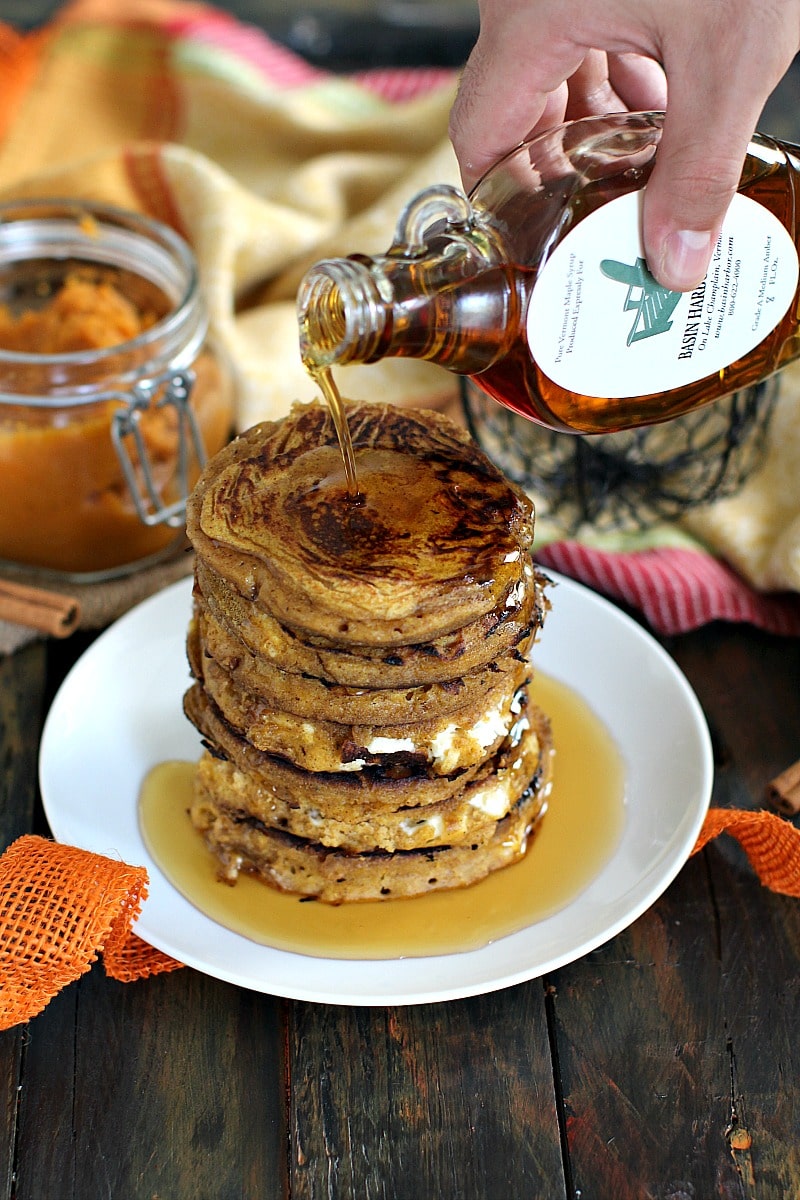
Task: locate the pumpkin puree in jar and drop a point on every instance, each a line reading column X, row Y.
column 64, row 501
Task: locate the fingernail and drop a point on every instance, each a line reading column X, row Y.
column 684, row 258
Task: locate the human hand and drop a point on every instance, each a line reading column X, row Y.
column 539, row 62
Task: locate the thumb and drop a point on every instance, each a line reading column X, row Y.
column 697, row 171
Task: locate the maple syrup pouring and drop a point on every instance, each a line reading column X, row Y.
column 324, row 380
column 315, row 338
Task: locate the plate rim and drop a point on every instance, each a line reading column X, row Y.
column 473, row 974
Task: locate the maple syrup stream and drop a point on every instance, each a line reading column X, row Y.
column 324, row 380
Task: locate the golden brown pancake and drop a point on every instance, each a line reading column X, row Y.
column 381, row 787
column 304, row 694
column 446, row 743
column 306, row 867
column 437, row 539
column 362, row 664
column 520, row 612
column 470, row 814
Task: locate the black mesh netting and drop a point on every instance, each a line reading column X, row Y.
column 631, row 479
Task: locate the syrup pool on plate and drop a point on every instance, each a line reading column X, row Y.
column 578, row 834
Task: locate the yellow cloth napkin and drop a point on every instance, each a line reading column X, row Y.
column 262, row 162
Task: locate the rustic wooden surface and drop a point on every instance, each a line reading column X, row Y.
column 662, row 1066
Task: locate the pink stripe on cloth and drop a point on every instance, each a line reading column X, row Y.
column 224, row 32
column 398, row 84
column 675, row 590
column 286, row 69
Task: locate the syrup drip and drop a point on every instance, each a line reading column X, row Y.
column 324, row 380
column 576, row 837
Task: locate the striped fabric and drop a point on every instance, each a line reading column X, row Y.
column 675, row 590
column 284, row 69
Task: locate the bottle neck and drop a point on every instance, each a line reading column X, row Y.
column 360, row 309
column 343, row 308
column 793, row 160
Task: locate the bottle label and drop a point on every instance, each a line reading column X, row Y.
column 598, row 323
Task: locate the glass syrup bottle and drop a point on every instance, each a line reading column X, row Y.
column 536, row 285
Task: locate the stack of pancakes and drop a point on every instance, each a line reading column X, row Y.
column 361, row 664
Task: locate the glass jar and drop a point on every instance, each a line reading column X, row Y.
column 111, row 393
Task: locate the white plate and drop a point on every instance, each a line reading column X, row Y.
column 118, row 713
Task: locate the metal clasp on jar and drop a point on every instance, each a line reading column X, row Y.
column 172, row 388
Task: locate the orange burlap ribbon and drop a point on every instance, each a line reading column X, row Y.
column 771, row 844
column 60, row 907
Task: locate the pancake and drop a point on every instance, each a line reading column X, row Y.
column 469, row 814
column 303, row 694
column 362, row 663
column 308, row 868
column 446, row 743
column 520, row 612
column 438, row 538
column 344, row 794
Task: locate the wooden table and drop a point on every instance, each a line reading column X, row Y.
column 665, row 1064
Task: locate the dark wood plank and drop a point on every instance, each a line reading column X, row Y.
column 22, row 698
column 677, row 1045
column 676, row 1041
column 759, row 935
column 45, row 1153
column 22, row 687
column 645, row 1083
column 170, row 1088
column 749, row 686
column 450, row 1100
column 753, row 699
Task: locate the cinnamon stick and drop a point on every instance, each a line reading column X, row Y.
column 36, row 608
column 783, row 792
